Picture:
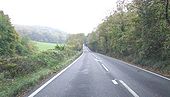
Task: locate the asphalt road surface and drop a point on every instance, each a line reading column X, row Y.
column 96, row 75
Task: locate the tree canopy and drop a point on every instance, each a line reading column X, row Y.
column 75, row 41
column 8, row 36
column 138, row 30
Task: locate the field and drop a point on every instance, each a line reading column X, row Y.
column 43, row 46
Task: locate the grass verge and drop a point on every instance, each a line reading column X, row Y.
column 19, row 84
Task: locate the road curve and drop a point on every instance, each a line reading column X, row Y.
column 97, row 75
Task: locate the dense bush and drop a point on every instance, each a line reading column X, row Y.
column 20, row 73
column 59, row 47
column 25, row 47
column 17, row 66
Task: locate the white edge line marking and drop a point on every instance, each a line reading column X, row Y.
column 144, row 69
column 49, row 81
column 105, row 68
column 129, row 89
column 114, row 82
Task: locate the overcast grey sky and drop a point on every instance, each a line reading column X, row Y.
column 71, row 16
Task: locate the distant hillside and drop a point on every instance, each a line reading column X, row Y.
column 42, row 34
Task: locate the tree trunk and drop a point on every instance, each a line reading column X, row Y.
column 166, row 11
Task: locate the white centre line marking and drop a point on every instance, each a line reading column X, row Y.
column 95, row 56
column 114, row 82
column 98, row 60
column 129, row 89
column 105, row 68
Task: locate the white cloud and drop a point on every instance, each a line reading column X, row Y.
column 72, row 16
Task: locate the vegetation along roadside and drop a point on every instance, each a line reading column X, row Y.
column 23, row 63
column 137, row 32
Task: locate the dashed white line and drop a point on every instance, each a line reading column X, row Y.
column 129, row 89
column 98, row 60
column 102, row 64
column 114, row 82
column 44, row 85
column 105, row 68
column 94, row 56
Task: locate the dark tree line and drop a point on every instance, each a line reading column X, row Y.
column 138, row 31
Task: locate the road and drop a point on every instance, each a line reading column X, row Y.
column 96, row 75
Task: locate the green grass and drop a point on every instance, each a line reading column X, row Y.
column 44, row 46
column 11, row 88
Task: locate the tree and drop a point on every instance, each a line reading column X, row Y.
column 8, row 36
column 75, row 41
column 138, row 30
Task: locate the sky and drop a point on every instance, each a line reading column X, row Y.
column 71, row 16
